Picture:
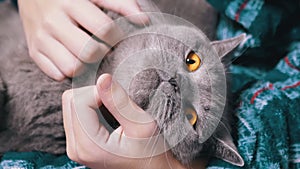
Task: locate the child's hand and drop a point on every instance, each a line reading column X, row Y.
column 89, row 142
column 56, row 31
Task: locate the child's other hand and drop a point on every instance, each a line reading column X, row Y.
column 89, row 142
column 56, row 31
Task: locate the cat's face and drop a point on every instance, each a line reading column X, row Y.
column 175, row 87
column 170, row 72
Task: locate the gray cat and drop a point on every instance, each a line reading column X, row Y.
column 172, row 81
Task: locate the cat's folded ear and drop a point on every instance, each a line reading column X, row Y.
column 223, row 47
column 224, row 148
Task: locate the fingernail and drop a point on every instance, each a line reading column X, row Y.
column 105, row 81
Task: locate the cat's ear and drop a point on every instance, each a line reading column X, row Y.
column 225, row 149
column 223, row 47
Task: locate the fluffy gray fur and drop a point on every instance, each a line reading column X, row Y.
column 30, row 102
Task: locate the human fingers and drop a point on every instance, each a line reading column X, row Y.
column 46, row 65
column 95, row 148
column 126, row 8
column 78, row 42
column 61, row 57
column 84, row 134
column 135, row 121
column 67, row 101
column 95, row 21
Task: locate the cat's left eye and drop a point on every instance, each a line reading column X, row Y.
column 191, row 115
column 193, row 61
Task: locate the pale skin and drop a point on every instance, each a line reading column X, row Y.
column 58, row 30
column 85, row 146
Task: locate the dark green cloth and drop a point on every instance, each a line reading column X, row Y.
column 271, row 26
column 32, row 160
column 268, row 116
column 266, row 80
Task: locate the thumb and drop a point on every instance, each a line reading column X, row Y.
column 126, row 8
column 134, row 121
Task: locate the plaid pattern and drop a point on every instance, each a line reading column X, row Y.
column 268, row 26
column 244, row 11
column 268, row 115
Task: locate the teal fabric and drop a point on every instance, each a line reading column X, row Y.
column 266, row 81
column 268, row 116
column 32, row 160
column 269, row 26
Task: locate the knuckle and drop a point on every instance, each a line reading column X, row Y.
column 48, row 22
column 68, row 70
column 75, row 67
column 39, row 35
column 67, row 95
column 72, row 69
column 58, row 77
column 38, row 38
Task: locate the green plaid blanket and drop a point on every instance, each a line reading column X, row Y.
column 266, row 81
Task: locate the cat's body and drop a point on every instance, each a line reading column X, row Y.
column 31, row 116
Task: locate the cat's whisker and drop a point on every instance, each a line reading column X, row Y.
column 227, row 64
column 153, row 150
column 221, row 122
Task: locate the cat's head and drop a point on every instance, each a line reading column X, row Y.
column 172, row 71
column 175, row 74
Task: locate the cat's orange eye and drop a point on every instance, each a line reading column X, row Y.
column 191, row 115
column 193, row 61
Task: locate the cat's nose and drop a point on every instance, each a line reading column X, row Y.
column 173, row 82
